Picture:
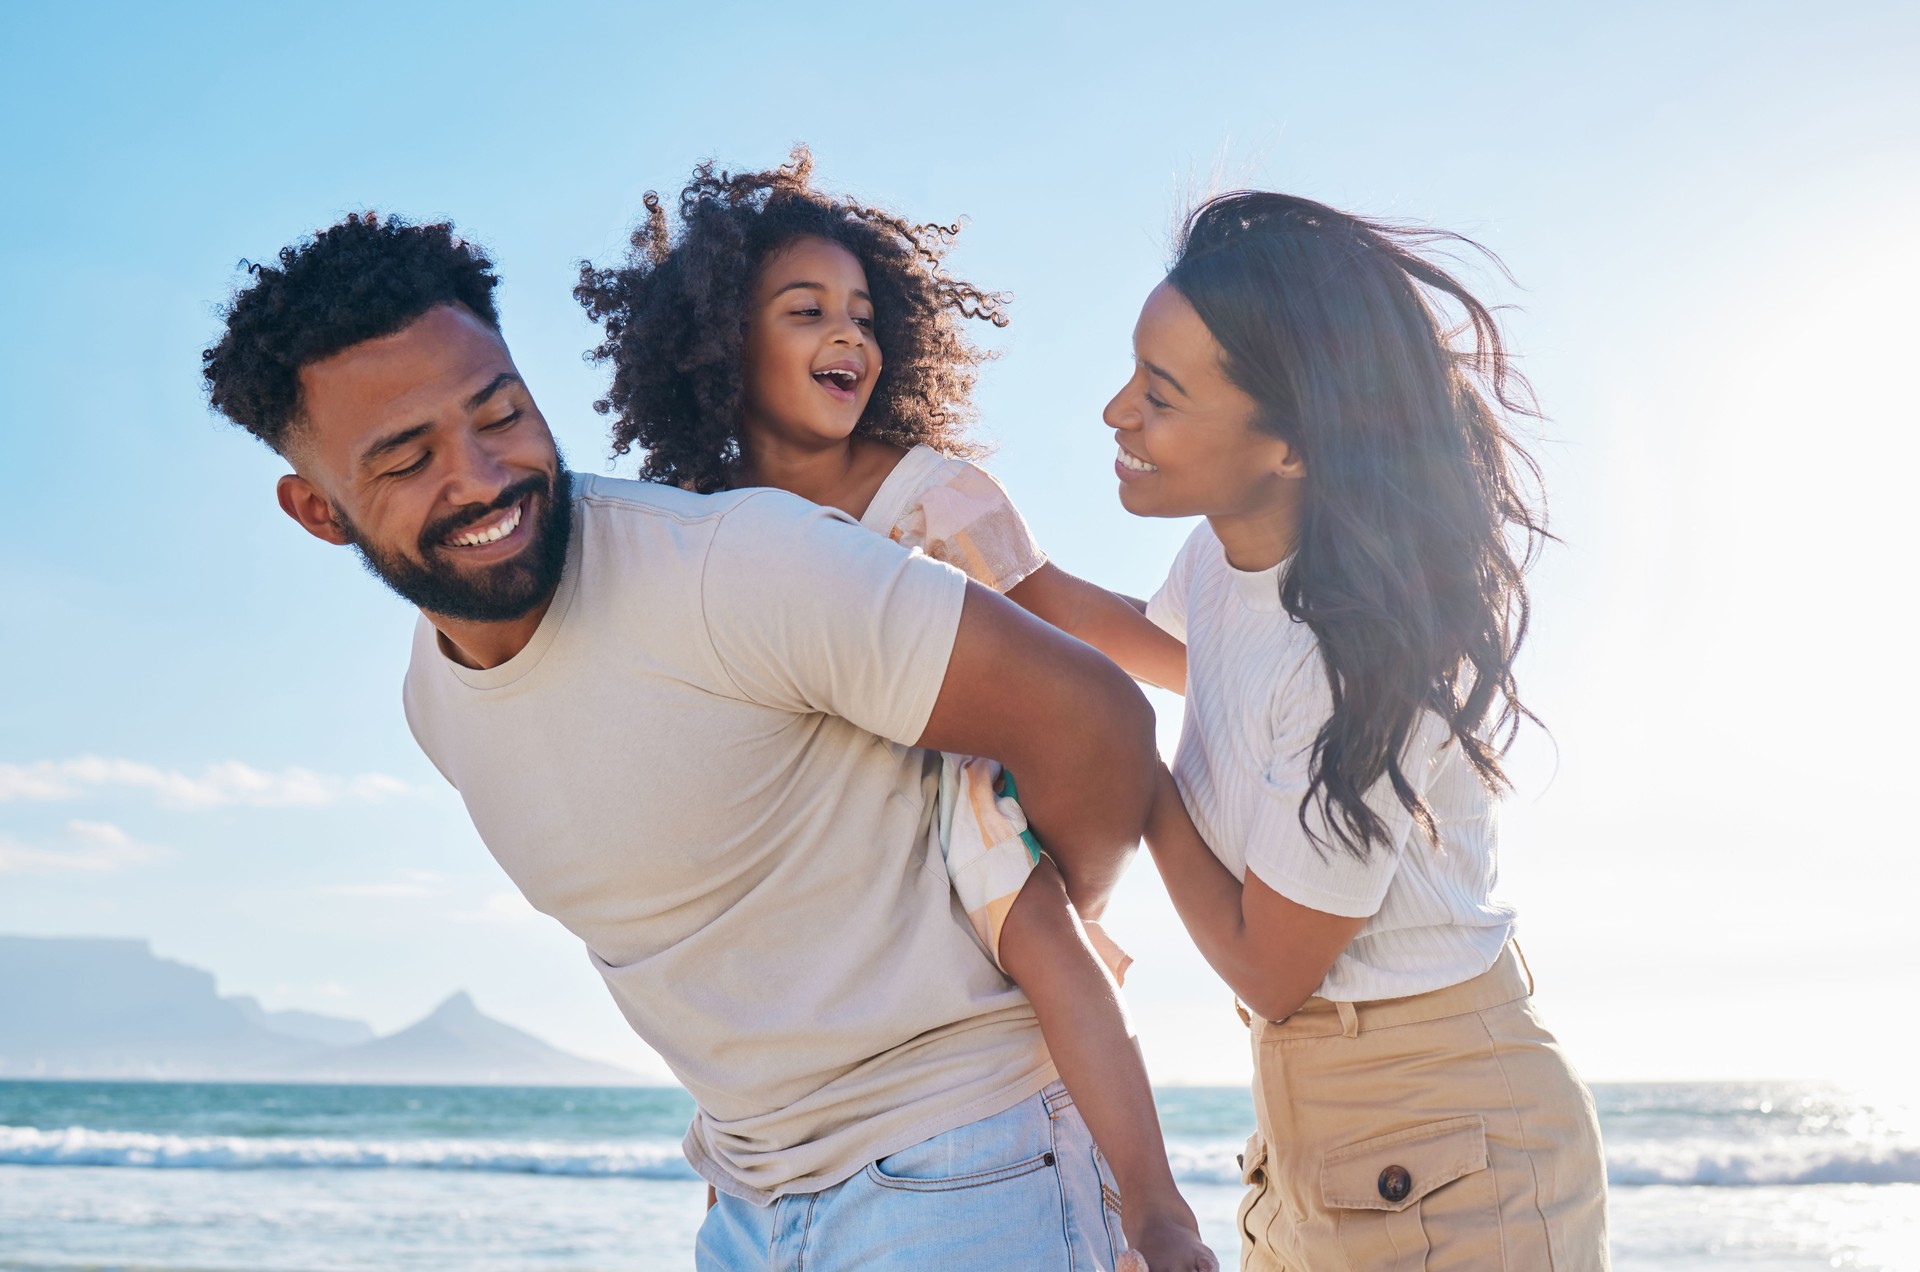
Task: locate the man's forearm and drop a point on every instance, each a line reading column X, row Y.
column 1070, row 726
column 1086, row 785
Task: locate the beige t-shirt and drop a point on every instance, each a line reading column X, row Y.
column 700, row 765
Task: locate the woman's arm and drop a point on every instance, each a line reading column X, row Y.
column 1272, row 952
column 1115, row 625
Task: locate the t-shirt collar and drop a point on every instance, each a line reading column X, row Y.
column 1258, row 589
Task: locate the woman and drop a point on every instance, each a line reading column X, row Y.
column 1352, row 606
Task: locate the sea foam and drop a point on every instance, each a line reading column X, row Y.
column 1700, row 1163
column 78, row 1146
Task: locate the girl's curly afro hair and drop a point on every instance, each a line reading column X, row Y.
column 675, row 316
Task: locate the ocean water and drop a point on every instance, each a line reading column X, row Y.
column 201, row 1177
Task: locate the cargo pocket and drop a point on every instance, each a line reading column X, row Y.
column 1419, row 1200
column 1258, row 1206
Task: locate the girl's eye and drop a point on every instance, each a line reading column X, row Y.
column 864, row 322
column 806, row 313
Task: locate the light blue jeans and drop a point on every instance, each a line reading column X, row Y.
column 1021, row 1189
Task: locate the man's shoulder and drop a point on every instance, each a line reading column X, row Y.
column 621, row 500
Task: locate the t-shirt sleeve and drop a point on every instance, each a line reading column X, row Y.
column 1326, row 876
column 967, row 519
column 807, row 611
column 1167, row 608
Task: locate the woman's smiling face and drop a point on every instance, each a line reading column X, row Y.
column 811, row 359
column 1188, row 444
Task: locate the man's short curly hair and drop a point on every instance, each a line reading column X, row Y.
column 359, row 280
column 675, row 315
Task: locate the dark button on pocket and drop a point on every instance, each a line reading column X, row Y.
column 1395, row 1183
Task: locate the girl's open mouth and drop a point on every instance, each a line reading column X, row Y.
column 842, row 380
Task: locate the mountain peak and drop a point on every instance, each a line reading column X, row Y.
column 458, row 1006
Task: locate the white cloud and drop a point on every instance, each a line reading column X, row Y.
column 410, row 883
column 85, row 847
column 216, row 786
column 501, row 907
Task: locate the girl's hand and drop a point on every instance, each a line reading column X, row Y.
column 1166, row 1241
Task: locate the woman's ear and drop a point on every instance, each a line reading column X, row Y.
column 1288, row 461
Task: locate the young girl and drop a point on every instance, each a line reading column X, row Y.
column 788, row 339
column 1351, row 608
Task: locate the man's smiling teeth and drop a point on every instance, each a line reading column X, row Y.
column 491, row 534
column 1128, row 460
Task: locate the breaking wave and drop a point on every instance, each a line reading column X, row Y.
column 1698, row 1162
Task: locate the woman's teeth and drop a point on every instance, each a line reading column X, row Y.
column 1130, row 461
column 491, row 534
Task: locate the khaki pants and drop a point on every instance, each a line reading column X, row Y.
column 1441, row 1131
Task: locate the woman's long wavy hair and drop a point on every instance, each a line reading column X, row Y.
column 1420, row 512
column 674, row 315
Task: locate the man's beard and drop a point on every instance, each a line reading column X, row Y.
column 499, row 593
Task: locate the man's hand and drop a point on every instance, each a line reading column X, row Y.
column 1073, row 729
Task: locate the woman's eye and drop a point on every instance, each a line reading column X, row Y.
column 1156, row 403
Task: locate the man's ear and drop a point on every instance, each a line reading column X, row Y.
column 302, row 500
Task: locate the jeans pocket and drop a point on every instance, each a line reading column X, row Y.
column 1418, row 1200
column 1110, row 1203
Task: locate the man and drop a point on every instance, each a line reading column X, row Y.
column 686, row 726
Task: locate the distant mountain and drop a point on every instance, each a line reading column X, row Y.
column 308, row 1026
column 458, row 1044
column 93, row 1008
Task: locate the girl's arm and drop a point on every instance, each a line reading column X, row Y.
column 1115, row 625
column 1045, row 951
column 1272, row 952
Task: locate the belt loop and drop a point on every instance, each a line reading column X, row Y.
column 1524, row 966
column 1349, row 1019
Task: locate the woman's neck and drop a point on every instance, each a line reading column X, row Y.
column 845, row 474
column 1261, row 537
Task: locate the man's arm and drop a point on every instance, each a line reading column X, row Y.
column 1069, row 724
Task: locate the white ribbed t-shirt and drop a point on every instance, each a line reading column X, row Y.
column 1257, row 695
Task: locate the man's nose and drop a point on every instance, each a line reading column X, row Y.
column 475, row 474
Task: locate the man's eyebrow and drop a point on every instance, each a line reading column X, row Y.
column 494, row 386
column 393, row 442
column 1179, row 387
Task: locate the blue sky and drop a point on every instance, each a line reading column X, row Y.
column 1709, row 210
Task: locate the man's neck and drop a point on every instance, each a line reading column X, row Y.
column 481, row 646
